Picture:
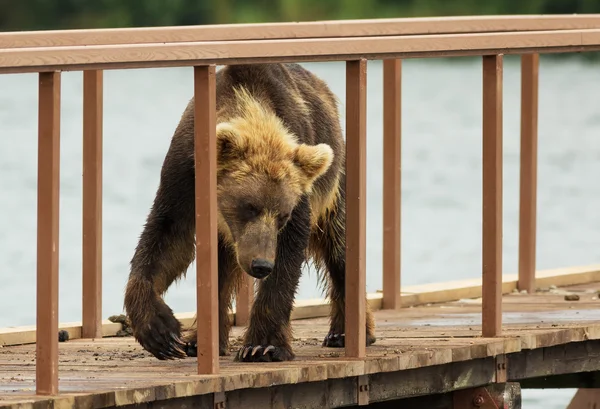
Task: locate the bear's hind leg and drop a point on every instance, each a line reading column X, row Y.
column 269, row 334
column 229, row 279
column 329, row 242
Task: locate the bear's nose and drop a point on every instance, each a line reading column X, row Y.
column 261, row 268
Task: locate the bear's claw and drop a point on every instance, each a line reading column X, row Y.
column 161, row 338
column 333, row 340
column 262, row 353
column 191, row 349
column 168, row 346
column 336, row 340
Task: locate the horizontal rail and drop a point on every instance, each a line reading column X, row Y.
column 269, row 51
column 315, row 29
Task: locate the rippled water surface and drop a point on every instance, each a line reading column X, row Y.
column 441, row 177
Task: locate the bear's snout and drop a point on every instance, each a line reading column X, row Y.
column 260, row 268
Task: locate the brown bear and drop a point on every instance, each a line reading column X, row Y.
column 281, row 200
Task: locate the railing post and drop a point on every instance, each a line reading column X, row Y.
column 585, row 398
column 207, row 297
column 392, row 182
column 492, row 196
column 92, row 204
column 356, row 149
column 528, row 182
column 244, row 300
column 47, row 234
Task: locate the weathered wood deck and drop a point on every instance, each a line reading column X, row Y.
column 422, row 350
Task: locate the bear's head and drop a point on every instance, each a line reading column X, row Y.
column 262, row 174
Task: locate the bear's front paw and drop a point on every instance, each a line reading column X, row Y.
column 264, row 353
column 160, row 335
column 337, row 340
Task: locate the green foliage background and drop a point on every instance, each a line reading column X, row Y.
column 69, row 14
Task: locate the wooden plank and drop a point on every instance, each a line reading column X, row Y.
column 392, row 180
column 119, row 371
column 206, row 218
column 419, row 382
column 567, row 358
column 27, row 334
column 471, row 288
column 356, row 201
column 92, row 204
column 492, row 197
column 47, row 233
column 485, row 397
column 528, row 180
column 433, row 401
column 305, row 309
column 268, row 51
column 316, row 29
column 310, row 395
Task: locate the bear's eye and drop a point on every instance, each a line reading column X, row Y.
column 250, row 211
column 282, row 219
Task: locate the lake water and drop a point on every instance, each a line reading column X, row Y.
column 441, row 177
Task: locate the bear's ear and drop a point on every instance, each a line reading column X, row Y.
column 230, row 145
column 313, row 160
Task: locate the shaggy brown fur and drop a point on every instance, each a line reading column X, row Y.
column 281, row 200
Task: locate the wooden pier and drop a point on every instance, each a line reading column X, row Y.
column 551, row 338
column 452, row 349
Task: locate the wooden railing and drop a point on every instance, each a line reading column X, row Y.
column 355, row 42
